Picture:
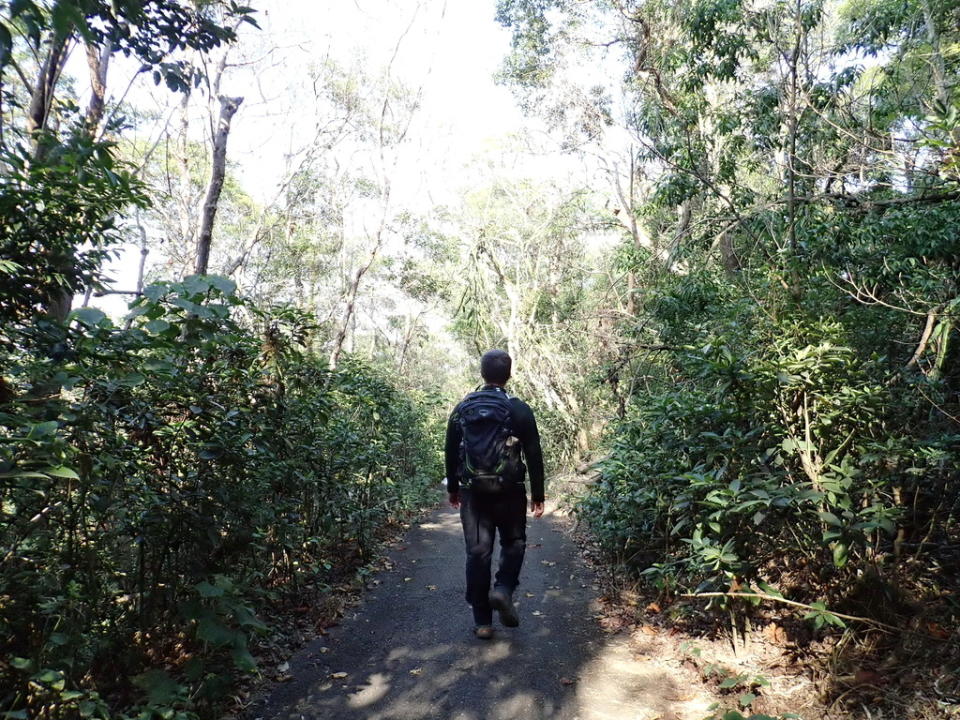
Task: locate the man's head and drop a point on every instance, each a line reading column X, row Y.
column 495, row 367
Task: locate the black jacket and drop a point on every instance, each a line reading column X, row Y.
column 523, row 424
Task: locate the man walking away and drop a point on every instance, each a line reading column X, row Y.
column 486, row 434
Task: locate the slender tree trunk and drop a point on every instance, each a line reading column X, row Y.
column 184, row 194
column 228, row 107
column 354, row 289
column 936, row 60
column 792, row 127
column 142, row 265
column 38, row 118
column 41, row 101
column 98, row 61
column 936, row 57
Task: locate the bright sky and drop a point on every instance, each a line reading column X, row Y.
column 449, row 48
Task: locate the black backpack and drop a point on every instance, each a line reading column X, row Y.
column 489, row 451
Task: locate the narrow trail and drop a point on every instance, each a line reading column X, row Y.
column 408, row 651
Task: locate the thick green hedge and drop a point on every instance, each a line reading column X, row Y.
column 164, row 481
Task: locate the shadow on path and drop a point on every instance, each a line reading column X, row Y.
column 409, row 651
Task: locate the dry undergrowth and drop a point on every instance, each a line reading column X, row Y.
column 772, row 657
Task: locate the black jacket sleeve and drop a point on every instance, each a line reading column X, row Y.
column 526, row 429
column 451, row 453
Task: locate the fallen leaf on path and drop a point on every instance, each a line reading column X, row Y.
column 283, row 667
column 338, row 675
column 416, row 671
column 612, row 623
column 324, row 649
column 775, row 634
column 937, row 631
column 534, row 546
column 567, row 681
column 648, row 629
column 654, row 608
column 529, row 595
column 868, row 677
column 407, row 579
column 431, row 587
column 537, row 613
column 547, row 562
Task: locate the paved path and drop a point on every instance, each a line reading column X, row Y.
column 408, row 652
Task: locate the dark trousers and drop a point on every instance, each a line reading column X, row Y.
column 482, row 515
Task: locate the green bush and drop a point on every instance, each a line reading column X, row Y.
column 165, row 480
column 767, row 442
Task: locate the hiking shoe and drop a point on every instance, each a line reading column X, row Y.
column 501, row 601
column 484, row 632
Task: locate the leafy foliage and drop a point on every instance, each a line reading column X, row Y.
column 196, row 466
column 796, row 281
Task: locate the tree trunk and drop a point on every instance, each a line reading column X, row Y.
column 41, row 100
column 338, row 343
column 38, row 117
column 228, row 107
column 98, row 60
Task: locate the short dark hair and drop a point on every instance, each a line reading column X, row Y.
column 495, row 366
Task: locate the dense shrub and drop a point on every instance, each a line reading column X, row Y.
column 774, row 440
column 164, row 480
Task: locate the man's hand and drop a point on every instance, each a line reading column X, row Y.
column 454, row 498
column 536, row 508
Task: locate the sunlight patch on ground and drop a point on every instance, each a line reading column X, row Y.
column 376, row 688
column 616, row 685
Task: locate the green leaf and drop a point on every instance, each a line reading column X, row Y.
column 161, row 689
column 840, row 551
column 65, row 17
column 731, row 681
column 246, row 618
column 830, row 518
column 746, row 699
column 15, row 715
column 155, row 292
column 133, row 379
column 156, row 326
column 224, row 285
column 51, row 678
column 20, row 663
column 6, row 44
column 91, row 317
column 43, row 430
column 213, row 631
column 62, row 471
column 180, row 302
column 769, row 589
column 206, row 590
column 243, row 660
column 196, row 284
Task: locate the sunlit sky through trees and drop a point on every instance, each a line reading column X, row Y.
column 446, row 52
